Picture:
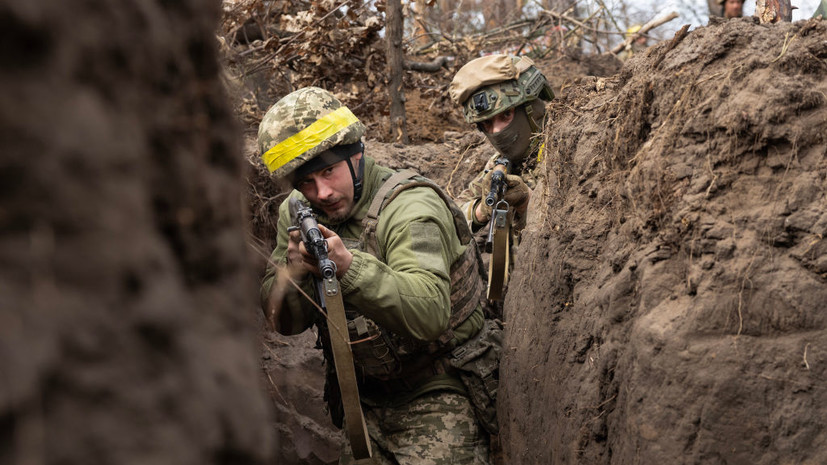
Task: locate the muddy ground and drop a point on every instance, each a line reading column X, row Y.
column 668, row 302
column 126, row 334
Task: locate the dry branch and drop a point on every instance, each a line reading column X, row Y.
column 431, row 67
column 643, row 30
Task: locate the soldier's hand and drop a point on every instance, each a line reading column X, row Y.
column 295, row 254
column 483, row 211
column 337, row 251
column 518, row 193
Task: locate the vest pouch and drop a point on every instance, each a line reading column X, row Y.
column 477, row 362
column 373, row 352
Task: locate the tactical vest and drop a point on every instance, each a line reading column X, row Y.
column 394, row 361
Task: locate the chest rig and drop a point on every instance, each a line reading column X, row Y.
column 382, row 357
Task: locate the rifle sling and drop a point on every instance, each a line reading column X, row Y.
column 498, row 266
column 355, row 427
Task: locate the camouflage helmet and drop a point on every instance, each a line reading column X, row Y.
column 302, row 125
column 490, row 85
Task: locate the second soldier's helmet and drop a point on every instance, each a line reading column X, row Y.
column 632, row 30
column 303, row 128
column 490, row 85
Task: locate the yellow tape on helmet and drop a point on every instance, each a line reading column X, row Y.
column 309, row 137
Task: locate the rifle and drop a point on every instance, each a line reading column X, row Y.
column 497, row 242
column 498, row 184
column 314, row 242
column 329, row 298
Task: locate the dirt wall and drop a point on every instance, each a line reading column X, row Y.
column 668, row 304
column 126, row 301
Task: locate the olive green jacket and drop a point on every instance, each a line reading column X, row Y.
column 409, row 291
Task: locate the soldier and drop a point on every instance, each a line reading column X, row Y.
column 403, row 254
column 726, row 8
column 504, row 96
column 636, row 46
column 732, row 8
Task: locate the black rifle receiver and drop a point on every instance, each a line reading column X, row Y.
column 305, row 220
column 497, row 196
column 498, row 185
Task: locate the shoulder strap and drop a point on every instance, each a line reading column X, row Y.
column 371, row 220
column 465, row 291
column 395, row 185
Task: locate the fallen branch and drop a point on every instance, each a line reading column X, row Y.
column 431, row 67
column 643, row 30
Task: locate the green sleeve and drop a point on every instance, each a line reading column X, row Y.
column 409, row 293
column 301, row 311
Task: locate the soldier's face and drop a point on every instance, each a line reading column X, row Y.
column 331, row 189
column 733, row 8
column 498, row 122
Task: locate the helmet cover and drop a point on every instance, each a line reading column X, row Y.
column 302, row 125
column 490, row 85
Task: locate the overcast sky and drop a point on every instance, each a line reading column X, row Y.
column 696, row 12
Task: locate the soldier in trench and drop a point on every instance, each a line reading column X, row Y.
column 732, row 8
column 504, row 97
column 398, row 285
column 726, row 8
column 638, row 45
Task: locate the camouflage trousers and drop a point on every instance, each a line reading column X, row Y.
column 438, row 428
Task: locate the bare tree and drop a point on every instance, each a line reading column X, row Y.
column 396, row 61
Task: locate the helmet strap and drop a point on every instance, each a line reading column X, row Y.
column 357, row 179
column 529, row 111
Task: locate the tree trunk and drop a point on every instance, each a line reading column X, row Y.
column 773, row 11
column 396, row 60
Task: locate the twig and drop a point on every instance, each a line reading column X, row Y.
column 740, row 296
column 611, row 17
column 272, row 352
column 643, row 30
column 787, row 43
column 602, row 403
column 342, row 332
column 456, row 167
column 807, row 365
column 261, row 63
column 275, row 388
column 529, row 36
